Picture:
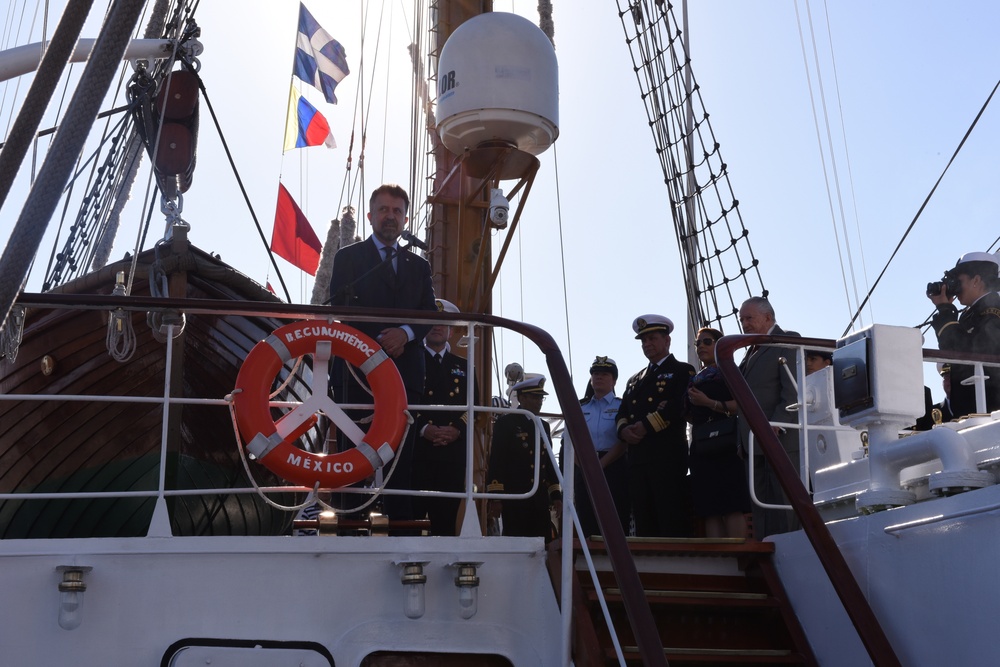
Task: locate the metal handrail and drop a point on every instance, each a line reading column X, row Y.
column 633, row 596
column 855, row 603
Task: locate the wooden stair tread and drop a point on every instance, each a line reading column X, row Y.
column 719, row 656
column 689, row 546
column 726, row 595
column 759, row 652
column 661, row 581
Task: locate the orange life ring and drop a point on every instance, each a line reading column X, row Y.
column 263, row 436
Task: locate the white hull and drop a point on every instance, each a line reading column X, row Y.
column 933, row 584
column 342, row 593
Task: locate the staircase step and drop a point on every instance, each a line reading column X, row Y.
column 720, row 596
column 715, row 656
column 714, row 601
column 694, row 546
column 671, row 581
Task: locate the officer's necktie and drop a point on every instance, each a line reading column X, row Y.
column 388, row 255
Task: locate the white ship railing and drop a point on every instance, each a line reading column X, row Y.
column 167, row 400
column 802, row 406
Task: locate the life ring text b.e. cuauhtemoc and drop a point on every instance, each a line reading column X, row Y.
column 279, row 454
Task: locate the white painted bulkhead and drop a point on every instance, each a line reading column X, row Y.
column 928, row 570
column 344, row 593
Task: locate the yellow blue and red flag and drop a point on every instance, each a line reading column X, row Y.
column 304, row 125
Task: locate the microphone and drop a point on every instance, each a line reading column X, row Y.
column 413, row 240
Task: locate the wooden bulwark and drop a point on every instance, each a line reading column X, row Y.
column 82, row 446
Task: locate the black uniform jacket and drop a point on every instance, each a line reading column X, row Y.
column 976, row 330
column 445, row 383
column 657, row 400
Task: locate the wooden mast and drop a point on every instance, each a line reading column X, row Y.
column 455, row 230
column 459, row 230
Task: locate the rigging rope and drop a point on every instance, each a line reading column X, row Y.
column 718, row 261
column 239, row 181
column 42, row 87
column 120, row 339
column 10, row 335
column 927, row 200
column 133, row 154
column 93, row 232
column 562, row 257
column 835, row 188
column 42, row 201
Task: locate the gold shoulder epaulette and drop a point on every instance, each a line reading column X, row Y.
column 494, row 487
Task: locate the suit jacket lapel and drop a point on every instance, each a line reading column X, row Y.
column 747, row 364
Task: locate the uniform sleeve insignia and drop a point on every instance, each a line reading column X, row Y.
column 995, row 312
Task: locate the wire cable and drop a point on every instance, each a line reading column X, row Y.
column 927, row 200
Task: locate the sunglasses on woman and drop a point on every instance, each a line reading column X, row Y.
column 704, row 341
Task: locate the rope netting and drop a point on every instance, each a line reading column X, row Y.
column 720, row 267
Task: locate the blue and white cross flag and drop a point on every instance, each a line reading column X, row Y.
column 320, row 60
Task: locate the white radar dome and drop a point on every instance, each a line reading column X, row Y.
column 498, row 82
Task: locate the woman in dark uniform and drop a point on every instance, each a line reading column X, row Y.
column 718, row 481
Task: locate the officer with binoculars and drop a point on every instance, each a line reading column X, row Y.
column 974, row 282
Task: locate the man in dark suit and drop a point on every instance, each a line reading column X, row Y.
column 772, row 386
column 377, row 273
column 439, row 454
column 651, row 423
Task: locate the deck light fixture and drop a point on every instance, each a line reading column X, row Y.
column 71, row 590
column 468, row 589
column 413, row 581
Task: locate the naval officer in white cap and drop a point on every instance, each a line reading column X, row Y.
column 651, row 422
column 973, row 282
column 512, row 467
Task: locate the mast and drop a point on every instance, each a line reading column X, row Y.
column 458, row 247
column 691, row 283
column 455, row 227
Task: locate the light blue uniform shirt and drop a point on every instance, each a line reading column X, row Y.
column 600, row 414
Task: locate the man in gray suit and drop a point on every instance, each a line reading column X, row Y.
column 763, row 368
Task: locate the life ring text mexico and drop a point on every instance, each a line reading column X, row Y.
column 272, row 442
